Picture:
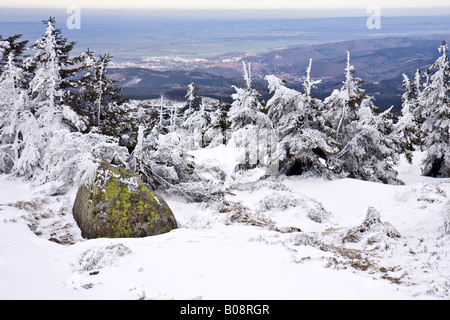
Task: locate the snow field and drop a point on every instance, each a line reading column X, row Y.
column 214, row 257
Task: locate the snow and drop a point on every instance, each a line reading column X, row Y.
column 214, row 255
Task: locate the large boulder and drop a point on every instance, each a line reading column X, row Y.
column 117, row 204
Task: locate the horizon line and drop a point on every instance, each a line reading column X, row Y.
column 294, row 13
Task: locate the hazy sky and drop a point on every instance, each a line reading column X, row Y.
column 227, row 4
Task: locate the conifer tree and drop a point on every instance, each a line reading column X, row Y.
column 98, row 94
column 407, row 131
column 248, row 120
column 247, row 107
column 369, row 153
column 193, row 99
column 434, row 103
column 304, row 144
column 219, row 123
column 45, row 87
column 12, row 45
column 45, row 105
column 63, row 48
column 195, row 118
column 39, row 134
column 12, row 114
column 283, row 101
column 198, row 122
column 342, row 105
column 48, row 145
column 366, row 148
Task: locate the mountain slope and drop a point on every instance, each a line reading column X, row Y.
column 247, row 248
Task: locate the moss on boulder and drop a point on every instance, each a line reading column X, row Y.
column 117, row 204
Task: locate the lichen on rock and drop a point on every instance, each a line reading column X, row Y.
column 117, row 204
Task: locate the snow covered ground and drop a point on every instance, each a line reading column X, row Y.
column 286, row 238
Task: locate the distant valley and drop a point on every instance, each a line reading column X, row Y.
column 379, row 62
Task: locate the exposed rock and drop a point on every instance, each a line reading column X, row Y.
column 117, row 204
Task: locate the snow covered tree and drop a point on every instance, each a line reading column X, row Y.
column 283, row 101
column 11, row 83
column 434, row 103
column 369, row 153
column 45, row 85
column 366, row 148
column 160, row 159
column 194, row 118
column 248, row 120
column 12, row 45
column 162, row 164
column 12, row 114
column 247, row 107
column 174, row 116
column 134, row 116
column 308, row 83
column 62, row 48
column 342, row 105
column 44, row 105
column 418, row 83
column 45, row 89
column 97, row 94
column 40, row 138
column 4, row 45
column 161, row 115
column 407, row 130
column 219, row 124
column 49, row 148
column 198, row 123
column 304, row 144
column 193, row 100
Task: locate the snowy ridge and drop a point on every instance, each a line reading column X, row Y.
column 260, row 243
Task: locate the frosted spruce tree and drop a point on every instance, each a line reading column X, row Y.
column 284, row 100
column 249, row 123
column 342, row 105
column 63, row 48
column 407, row 129
column 434, row 103
column 46, row 88
column 98, row 95
column 192, row 97
column 3, row 47
column 304, row 144
column 220, row 125
column 14, row 115
column 366, row 150
column 193, row 117
column 44, row 104
column 197, row 122
column 369, row 152
column 415, row 92
column 247, row 107
column 51, row 148
column 12, row 45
